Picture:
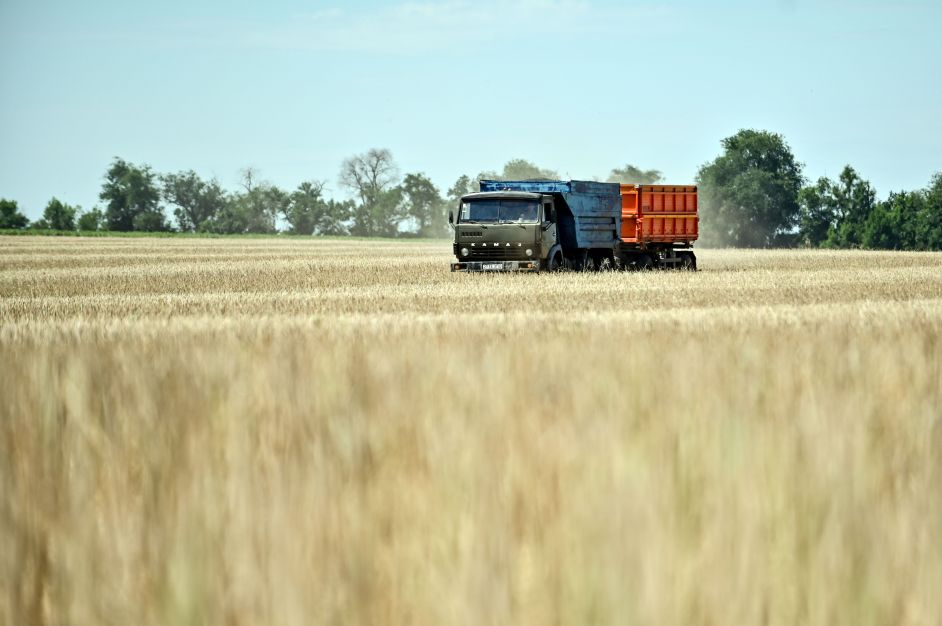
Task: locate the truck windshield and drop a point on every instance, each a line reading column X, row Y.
column 516, row 211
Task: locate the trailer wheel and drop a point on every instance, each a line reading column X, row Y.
column 688, row 261
column 627, row 263
column 645, row 262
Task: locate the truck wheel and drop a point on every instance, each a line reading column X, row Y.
column 645, row 262
column 688, row 261
column 555, row 263
column 581, row 262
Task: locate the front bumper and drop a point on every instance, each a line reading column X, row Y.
column 496, row 266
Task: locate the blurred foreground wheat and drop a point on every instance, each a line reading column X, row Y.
column 308, row 432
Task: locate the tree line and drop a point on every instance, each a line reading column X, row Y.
column 384, row 204
column 136, row 198
column 754, row 194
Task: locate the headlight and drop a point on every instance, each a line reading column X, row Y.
column 529, row 252
column 464, row 252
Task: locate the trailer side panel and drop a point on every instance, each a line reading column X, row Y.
column 659, row 214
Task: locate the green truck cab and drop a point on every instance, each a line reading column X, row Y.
column 505, row 231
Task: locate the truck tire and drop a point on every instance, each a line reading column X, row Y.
column 581, row 262
column 644, row 262
column 688, row 261
column 555, row 262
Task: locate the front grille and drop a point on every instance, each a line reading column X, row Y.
column 499, row 254
column 472, row 233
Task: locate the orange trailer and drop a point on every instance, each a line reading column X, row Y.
column 659, row 223
column 659, row 214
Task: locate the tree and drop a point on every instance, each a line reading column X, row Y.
column 91, row 221
column 132, row 197
column 333, row 221
column 514, row 169
column 749, row 194
column 836, row 213
column 196, row 201
column 59, row 216
column 817, row 214
column 521, row 169
column 424, row 204
column 253, row 210
column 463, row 186
column 929, row 221
column 381, row 218
column 10, row 216
column 631, row 175
column 372, row 177
column 151, row 222
column 303, row 208
column 231, row 220
column 891, row 225
column 853, row 200
column 307, row 212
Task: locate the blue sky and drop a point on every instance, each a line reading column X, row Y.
column 456, row 87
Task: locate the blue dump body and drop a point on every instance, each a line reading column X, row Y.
column 588, row 213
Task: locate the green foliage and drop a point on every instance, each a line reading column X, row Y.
column 817, row 214
column 515, row 169
column 749, row 194
column 372, row 177
column 246, row 213
column 253, row 210
column 59, row 216
column 132, row 197
column 261, row 206
column 424, row 204
column 892, row 224
column 380, row 218
column 631, row 175
column 333, row 221
column 91, row 221
column 231, row 220
column 836, row 213
column 853, row 200
column 307, row 212
column 10, row 216
column 845, row 214
column 929, row 223
column 151, row 222
column 196, row 202
column 463, row 186
column 521, row 169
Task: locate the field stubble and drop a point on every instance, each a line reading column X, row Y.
column 296, row 432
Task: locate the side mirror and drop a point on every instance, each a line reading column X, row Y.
column 451, row 216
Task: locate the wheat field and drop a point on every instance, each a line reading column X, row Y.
column 288, row 431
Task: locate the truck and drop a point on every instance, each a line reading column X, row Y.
column 549, row 225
